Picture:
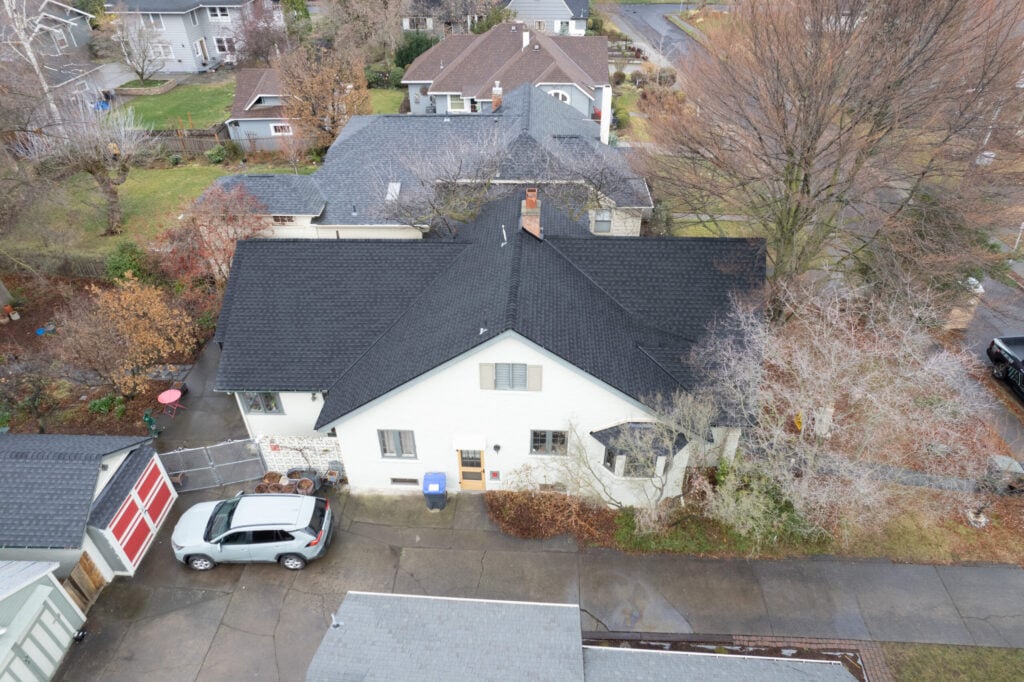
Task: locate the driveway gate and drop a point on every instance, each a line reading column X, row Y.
column 212, row 466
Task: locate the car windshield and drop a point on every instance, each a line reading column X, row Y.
column 220, row 519
column 316, row 522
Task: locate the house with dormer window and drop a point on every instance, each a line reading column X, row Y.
column 257, row 120
column 463, row 73
column 525, row 340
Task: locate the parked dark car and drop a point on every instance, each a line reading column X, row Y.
column 1007, row 356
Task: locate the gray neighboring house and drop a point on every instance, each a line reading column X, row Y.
column 379, row 158
column 257, row 120
column 561, row 17
column 405, row 637
column 38, row 620
column 464, row 74
column 61, row 40
column 444, row 16
column 93, row 504
column 192, row 36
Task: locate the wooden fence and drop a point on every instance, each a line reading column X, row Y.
column 192, row 141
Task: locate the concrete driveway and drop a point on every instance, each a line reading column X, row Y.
column 647, row 26
column 262, row 622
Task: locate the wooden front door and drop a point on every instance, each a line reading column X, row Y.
column 471, row 469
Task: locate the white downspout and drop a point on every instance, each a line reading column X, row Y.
column 606, row 113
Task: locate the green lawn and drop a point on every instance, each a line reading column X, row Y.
column 721, row 228
column 386, row 101
column 911, row 662
column 205, row 104
column 73, row 220
column 150, row 83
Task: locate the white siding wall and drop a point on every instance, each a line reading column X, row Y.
column 449, row 401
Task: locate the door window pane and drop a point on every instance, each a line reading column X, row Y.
column 471, row 458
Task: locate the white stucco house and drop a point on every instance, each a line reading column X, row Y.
column 523, row 341
column 467, row 74
column 383, row 160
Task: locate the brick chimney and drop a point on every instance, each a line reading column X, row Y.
column 496, row 96
column 529, row 214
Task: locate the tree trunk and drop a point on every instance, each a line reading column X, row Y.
column 115, row 216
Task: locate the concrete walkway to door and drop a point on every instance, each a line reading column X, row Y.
column 261, row 622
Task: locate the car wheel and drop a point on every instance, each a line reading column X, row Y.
column 200, row 563
column 999, row 370
column 293, row 562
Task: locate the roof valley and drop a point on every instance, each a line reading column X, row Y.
column 515, row 276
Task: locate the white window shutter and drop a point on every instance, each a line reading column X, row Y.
column 430, row 24
column 405, row 23
column 533, row 377
column 487, row 376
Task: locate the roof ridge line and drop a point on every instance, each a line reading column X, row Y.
column 515, row 277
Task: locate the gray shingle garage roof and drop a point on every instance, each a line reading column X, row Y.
column 46, row 491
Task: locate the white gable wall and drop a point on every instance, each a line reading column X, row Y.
column 446, row 409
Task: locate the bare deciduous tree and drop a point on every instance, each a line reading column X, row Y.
column 18, row 31
column 260, row 37
column 821, row 121
column 98, row 143
column 142, row 48
column 367, row 23
column 851, row 391
column 323, row 90
column 203, row 244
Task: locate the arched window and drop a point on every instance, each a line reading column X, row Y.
column 560, row 95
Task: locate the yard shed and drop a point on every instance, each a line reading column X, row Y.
column 92, row 504
column 38, row 620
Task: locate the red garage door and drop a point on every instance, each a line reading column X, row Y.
column 139, row 517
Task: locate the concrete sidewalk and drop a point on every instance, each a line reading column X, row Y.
column 262, row 622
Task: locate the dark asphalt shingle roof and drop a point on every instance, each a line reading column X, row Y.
column 399, row 637
column 361, row 318
column 113, row 494
column 283, row 194
column 539, row 139
column 46, row 491
column 627, row 433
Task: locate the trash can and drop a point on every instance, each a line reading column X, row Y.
column 434, row 490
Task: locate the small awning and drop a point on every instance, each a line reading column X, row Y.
column 469, row 441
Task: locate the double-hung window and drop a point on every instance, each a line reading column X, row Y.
column 602, row 221
column 154, row 22
column 281, row 129
column 396, row 444
column 261, row 402
column 225, row 45
column 217, row 13
column 456, row 103
column 194, row 17
column 548, row 442
column 161, row 51
column 418, row 23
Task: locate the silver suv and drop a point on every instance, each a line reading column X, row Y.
column 286, row 529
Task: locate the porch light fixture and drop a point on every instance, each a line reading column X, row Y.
column 497, row 448
column 313, row 396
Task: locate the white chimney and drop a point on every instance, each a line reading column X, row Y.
column 496, row 96
column 606, row 113
column 526, row 39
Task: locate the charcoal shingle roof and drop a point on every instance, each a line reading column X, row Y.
column 539, row 139
column 361, row 318
column 282, row 194
column 46, row 491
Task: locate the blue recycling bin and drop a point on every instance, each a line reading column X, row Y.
column 434, row 490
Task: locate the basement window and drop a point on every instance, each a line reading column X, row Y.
column 405, row 481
